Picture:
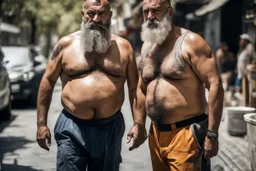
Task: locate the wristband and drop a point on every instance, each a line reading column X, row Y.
column 212, row 134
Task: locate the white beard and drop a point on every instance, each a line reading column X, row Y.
column 97, row 40
column 156, row 35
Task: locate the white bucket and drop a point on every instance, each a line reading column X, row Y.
column 236, row 123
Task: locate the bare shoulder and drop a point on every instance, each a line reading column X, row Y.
column 195, row 44
column 121, row 42
column 68, row 39
column 62, row 44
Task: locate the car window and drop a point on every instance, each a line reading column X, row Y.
column 17, row 56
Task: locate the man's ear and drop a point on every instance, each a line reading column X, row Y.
column 82, row 12
column 111, row 13
column 171, row 11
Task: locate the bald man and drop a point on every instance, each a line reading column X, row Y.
column 177, row 66
column 93, row 65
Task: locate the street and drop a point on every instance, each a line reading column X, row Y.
column 20, row 152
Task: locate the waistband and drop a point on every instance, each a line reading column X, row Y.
column 91, row 121
column 180, row 124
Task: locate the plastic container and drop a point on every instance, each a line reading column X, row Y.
column 236, row 123
column 250, row 118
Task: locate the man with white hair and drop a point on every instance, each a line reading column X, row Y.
column 93, row 65
column 177, row 66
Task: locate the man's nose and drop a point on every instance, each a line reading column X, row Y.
column 150, row 15
column 96, row 18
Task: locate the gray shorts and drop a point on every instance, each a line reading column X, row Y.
column 93, row 144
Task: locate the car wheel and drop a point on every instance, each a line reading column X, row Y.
column 6, row 112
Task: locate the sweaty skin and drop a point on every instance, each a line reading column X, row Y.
column 173, row 92
column 92, row 82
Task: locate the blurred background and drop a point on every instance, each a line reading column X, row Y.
column 42, row 23
column 29, row 30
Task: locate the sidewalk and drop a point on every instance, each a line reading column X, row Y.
column 233, row 152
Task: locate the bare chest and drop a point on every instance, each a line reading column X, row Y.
column 79, row 65
column 171, row 66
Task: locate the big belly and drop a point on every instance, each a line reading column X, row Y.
column 175, row 100
column 93, row 95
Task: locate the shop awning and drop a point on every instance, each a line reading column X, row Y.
column 137, row 9
column 211, row 6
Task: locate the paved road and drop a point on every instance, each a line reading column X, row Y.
column 20, row 152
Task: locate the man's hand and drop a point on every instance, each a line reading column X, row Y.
column 139, row 135
column 43, row 135
column 211, row 147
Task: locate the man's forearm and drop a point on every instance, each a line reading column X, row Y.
column 132, row 95
column 139, row 110
column 215, row 106
column 44, row 101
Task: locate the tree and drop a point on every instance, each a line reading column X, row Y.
column 45, row 17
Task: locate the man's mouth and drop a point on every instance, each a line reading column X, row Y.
column 97, row 27
column 152, row 25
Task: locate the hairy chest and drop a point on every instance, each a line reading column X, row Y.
column 171, row 66
column 84, row 64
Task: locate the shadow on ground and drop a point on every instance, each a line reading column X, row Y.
column 14, row 167
column 23, row 104
column 4, row 124
column 9, row 145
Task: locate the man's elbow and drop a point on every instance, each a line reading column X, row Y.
column 46, row 85
column 218, row 86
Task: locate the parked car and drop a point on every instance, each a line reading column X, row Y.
column 23, row 72
column 5, row 90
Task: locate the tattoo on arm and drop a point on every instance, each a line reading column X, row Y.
column 56, row 52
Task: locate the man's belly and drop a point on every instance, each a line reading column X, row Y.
column 173, row 101
column 93, row 96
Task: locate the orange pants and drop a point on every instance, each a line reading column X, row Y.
column 175, row 150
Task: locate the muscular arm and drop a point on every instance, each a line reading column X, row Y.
column 47, row 84
column 132, row 77
column 204, row 65
column 138, row 131
column 139, row 103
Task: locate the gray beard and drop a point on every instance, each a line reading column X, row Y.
column 156, row 35
column 92, row 39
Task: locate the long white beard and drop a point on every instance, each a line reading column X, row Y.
column 156, row 35
column 98, row 40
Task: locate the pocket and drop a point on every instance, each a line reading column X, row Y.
column 57, row 122
column 199, row 131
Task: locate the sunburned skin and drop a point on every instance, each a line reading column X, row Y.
column 93, row 85
column 164, row 76
column 93, row 65
column 177, row 67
